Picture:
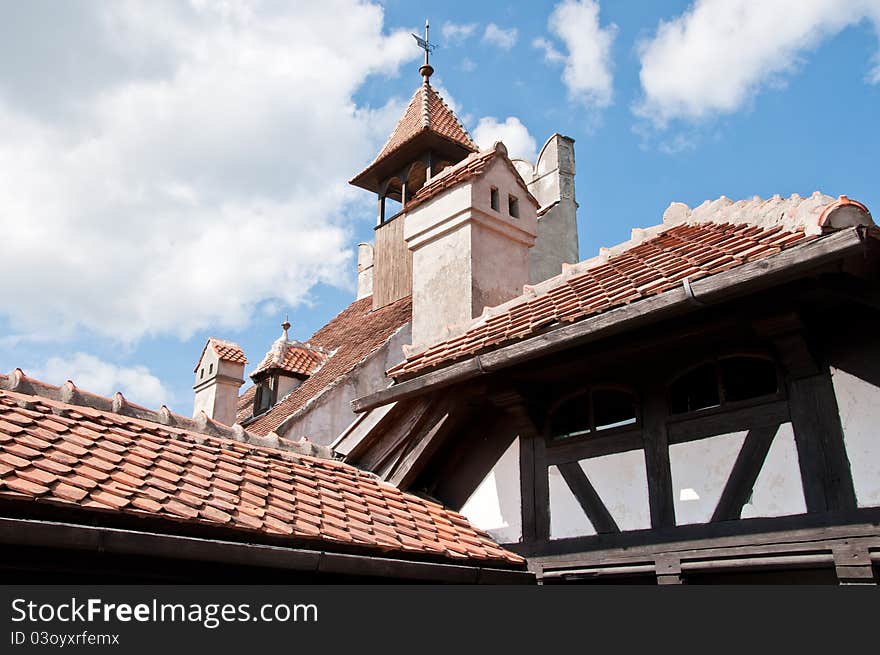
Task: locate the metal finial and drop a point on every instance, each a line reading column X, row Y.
column 425, row 44
column 285, row 326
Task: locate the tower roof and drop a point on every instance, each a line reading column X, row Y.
column 426, row 111
column 427, row 124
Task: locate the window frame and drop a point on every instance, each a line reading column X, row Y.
column 593, row 434
column 724, row 405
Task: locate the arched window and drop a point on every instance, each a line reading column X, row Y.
column 724, row 380
column 593, row 410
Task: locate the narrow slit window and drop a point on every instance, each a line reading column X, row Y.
column 202, row 373
column 210, row 368
column 493, row 199
column 513, row 206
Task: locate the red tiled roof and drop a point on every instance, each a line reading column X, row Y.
column 297, row 358
column 426, row 111
column 351, row 336
column 92, row 460
column 472, row 166
column 646, row 269
column 226, row 351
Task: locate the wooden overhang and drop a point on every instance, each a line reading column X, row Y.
column 442, row 148
column 736, row 282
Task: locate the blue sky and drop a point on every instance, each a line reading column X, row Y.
column 174, row 172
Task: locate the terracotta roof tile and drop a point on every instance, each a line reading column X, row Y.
column 203, row 479
column 645, row 269
column 226, row 351
column 472, row 166
column 351, row 336
column 426, row 111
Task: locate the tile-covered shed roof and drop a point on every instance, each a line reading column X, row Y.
column 692, row 244
column 354, row 334
column 107, row 463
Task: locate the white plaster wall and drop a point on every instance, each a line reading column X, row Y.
column 502, row 178
column 557, row 242
column 365, row 270
column 217, row 392
column 204, row 364
column 499, row 270
column 621, row 480
column 286, row 384
column 467, row 255
column 859, row 404
column 329, row 414
column 700, row 470
column 553, row 182
column 567, row 517
column 442, row 293
column 778, row 490
column 496, row 504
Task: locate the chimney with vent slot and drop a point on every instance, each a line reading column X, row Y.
column 219, row 375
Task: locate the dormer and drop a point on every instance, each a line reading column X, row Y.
column 219, row 374
column 285, row 367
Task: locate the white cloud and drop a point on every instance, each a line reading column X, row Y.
column 717, row 56
column 498, row 36
column 200, row 169
column 457, row 33
column 468, row 65
column 587, row 58
column 92, row 374
column 519, row 143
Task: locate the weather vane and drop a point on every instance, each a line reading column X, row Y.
column 426, row 45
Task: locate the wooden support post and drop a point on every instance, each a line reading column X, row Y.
column 815, row 417
column 660, row 496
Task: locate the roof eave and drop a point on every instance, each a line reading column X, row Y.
column 716, row 288
column 42, row 533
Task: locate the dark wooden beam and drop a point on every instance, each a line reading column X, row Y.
column 825, row 470
column 726, row 419
column 586, row 495
column 393, row 433
column 445, row 417
column 654, row 436
column 745, row 472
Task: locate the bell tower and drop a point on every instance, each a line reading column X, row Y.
column 427, row 139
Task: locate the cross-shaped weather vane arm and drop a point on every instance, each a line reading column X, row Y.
column 424, row 44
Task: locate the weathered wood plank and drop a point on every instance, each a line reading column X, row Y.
column 392, row 264
column 596, row 446
column 767, row 414
column 587, row 497
column 393, row 433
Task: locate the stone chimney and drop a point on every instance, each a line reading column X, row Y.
column 219, row 375
column 469, row 232
column 551, row 181
column 365, row 270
